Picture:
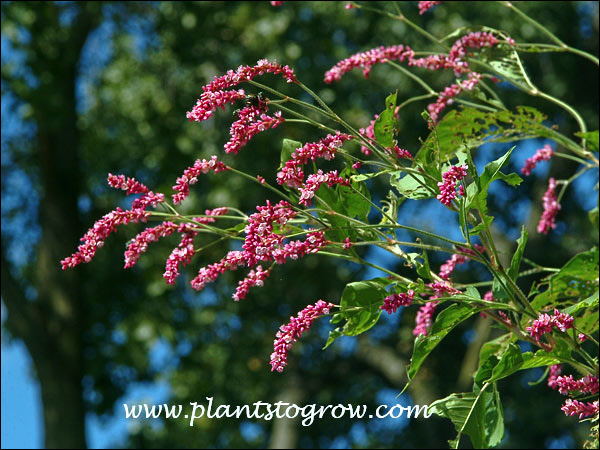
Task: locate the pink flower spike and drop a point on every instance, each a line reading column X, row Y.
column 562, row 321
column 139, row 244
column 291, row 332
column 448, row 186
column 252, row 120
column 366, row 60
column 424, row 318
column 94, row 238
column 183, row 254
column 544, row 324
column 551, row 207
column 347, row 244
column 399, row 152
column 292, row 174
column 395, row 301
column 209, row 101
column 190, row 176
column 130, row 185
column 314, row 182
column 369, row 133
column 543, row 154
column 577, row 408
column 247, row 73
column 254, row 278
column 356, row 165
column 582, row 337
column 555, row 371
column 426, row 6
column 446, row 97
column 276, row 3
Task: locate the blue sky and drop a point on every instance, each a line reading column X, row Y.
column 21, row 418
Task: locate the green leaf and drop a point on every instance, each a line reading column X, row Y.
column 473, row 127
column 289, row 146
column 413, row 186
column 515, row 263
column 577, row 279
column 360, row 305
column 492, row 172
column 586, row 322
column 513, row 360
column 593, row 214
column 591, row 138
column 333, row 335
column 479, row 416
column 355, row 204
column 590, row 302
column 506, row 62
column 385, row 125
column 444, row 323
column 482, row 226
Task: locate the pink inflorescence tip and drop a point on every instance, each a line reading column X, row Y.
column 544, row 324
column 426, row 6
column 395, row 301
column 291, row 332
column 448, row 186
column 543, row 154
column 551, row 207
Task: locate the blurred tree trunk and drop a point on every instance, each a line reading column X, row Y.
column 51, row 324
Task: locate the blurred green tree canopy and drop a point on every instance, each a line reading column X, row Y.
column 98, row 87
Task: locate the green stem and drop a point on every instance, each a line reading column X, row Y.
column 412, row 76
column 548, row 33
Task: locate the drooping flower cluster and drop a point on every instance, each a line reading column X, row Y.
column 139, row 244
column 369, row 133
column 292, row 173
column 262, row 244
column 426, row 6
column 254, row 278
column 215, row 95
column 190, row 176
column 551, row 207
column 459, row 52
column 182, row 254
column 291, row 332
column 446, row 97
column 276, row 3
column 399, row 152
column 543, row 154
column 555, row 371
column 395, row 301
column 425, row 314
column 251, row 121
column 585, row 385
column 448, row 187
column 314, row 182
column 425, row 318
column 455, row 59
column 580, row 409
column 566, row 385
column 94, row 238
column 209, row 101
column 448, row 267
column 366, row 60
column 545, row 323
column 211, row 213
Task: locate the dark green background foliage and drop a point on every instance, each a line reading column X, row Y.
column 117, row 104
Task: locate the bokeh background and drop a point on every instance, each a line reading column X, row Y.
column 95, row 87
